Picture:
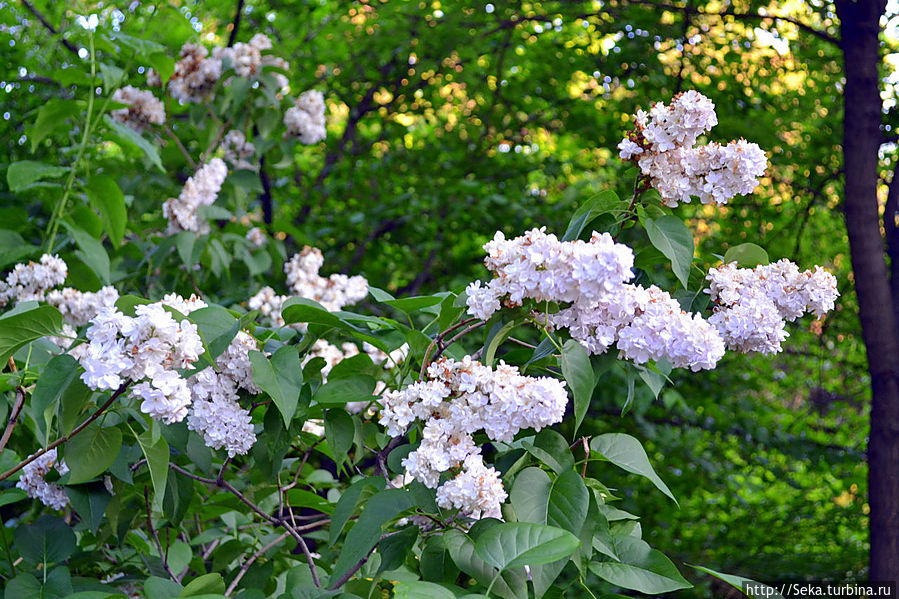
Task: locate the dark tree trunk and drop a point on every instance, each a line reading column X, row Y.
column 860, row 25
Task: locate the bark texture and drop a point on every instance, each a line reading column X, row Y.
column 860, row 28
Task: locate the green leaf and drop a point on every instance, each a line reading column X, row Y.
column 91, row 452
column 671, row 236
column 530, row 495
column 641, row 568
column 161, row 588
column 421, row 590
column 129, row 137
column 21, row 174
column 746, row 255
column 341, row 391
column 352, row 498
column 339, row 431
column 217, row 328
column 163, row 64
column 157, row 454
column 48, row 541
column 497, row 339
column 511, row 584
column 299, row 309
column 411, row 304
column 394, row 549
column 51, row 116
column 19, row 329
column 514, row 544
column 563, row 502
column 204, row 585
column 281, row 378
column 366, row 533
column 303, row 498
column 627, row 453
column 757, row 590
column 58, row 375
column 91, row 252
column 604, row 202
column 578, row 372
column 552, row 449
column 142, row 47
column 107, row 199
column 90, row 501
column 112, row 75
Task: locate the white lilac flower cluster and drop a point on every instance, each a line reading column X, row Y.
column 247, row 59
column 257, row 237
column 237, row 150
column 200, row 190
column 196, row 73
column 754, row 303
column 333, row 292
column 306, row 120
column 194, row 77
column 78, row 307
column 143, row 108
column 215, row 412
column 602, row 309
column 29, row 282
column 663, row 146
column 148, row 349
column 34, row 484
column 457, row 399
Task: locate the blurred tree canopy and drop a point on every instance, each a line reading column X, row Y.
column 449, row 121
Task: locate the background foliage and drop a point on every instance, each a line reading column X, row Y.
column 449, row 121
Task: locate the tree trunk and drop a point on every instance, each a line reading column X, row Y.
column 860, row 28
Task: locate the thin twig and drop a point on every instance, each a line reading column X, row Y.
column 246, row 566
column 65, row 438
column 181, row 147
column 163, row 555
column 69, row 46
column 16, row 408
column 437, row 339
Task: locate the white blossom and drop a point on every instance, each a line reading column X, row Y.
column 78, row 307
column 663, row 146
column 303, row 278
column 148, row 349
column 32, row 481
column 238, row 150
column 752, row 304
column 195, row 74
column 29, row 282
column 143, row 108
column 456, row 400
column 306, row 120
column 200, row 190
column 215, row 412
column 257, row 237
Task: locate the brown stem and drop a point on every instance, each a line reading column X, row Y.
column 249, row 562
column 162, row 555
column 65, row 438
column 16, row 409
column 71, row 48
column 437, row 339
column 236, row 24
column 181, row 147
